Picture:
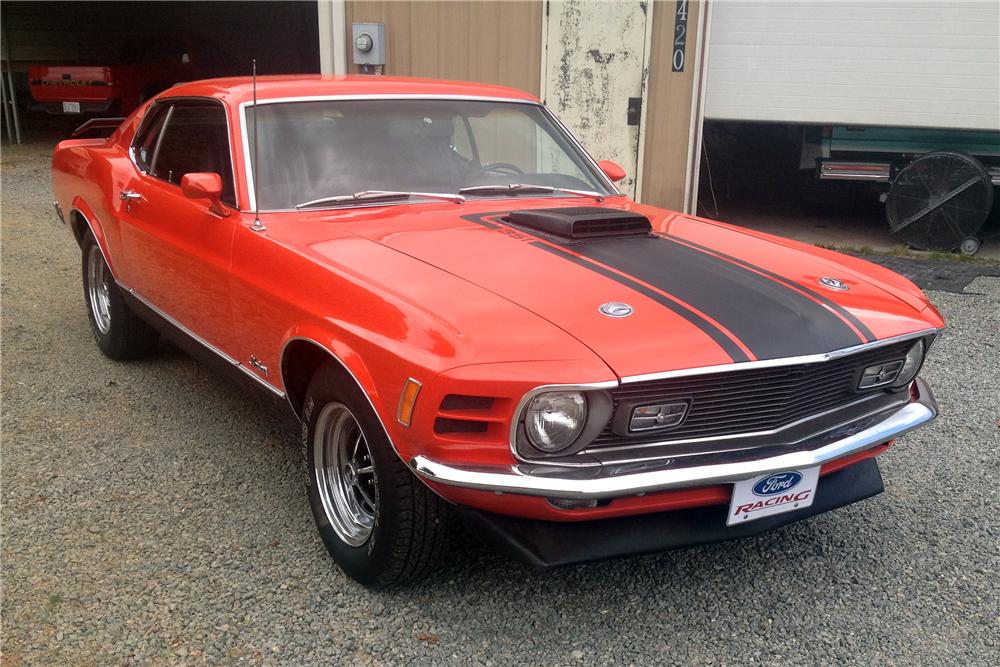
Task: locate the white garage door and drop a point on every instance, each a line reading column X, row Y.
column 910, row 64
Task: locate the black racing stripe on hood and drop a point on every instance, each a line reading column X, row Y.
column 846, row 314
column 767, row 316
column 480, row 219
column 724, row 341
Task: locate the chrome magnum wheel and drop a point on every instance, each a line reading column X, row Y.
column 380, row 523
column 344, row 474
column 119, row 332
column 98, row 289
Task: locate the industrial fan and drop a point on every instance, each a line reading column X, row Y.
column 939, row 202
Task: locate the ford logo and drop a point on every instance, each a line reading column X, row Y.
column 833, row 283
column 616, row 309
column 776, row 483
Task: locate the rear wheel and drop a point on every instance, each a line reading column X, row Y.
column 382, row 525
column 120, row 333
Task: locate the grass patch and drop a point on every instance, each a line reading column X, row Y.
column 903, row 251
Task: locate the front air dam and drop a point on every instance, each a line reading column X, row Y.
column 553, row 543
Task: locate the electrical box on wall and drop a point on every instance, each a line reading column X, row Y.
column 368, row 45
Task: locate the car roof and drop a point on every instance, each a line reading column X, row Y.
column 236, row 90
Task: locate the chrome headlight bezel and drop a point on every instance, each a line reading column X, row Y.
column 553, row 420
column 912, row 364
column 597, row 413
column 899, row 372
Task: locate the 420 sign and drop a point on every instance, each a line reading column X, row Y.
column 680, row 36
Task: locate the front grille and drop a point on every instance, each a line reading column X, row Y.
column 753, row 400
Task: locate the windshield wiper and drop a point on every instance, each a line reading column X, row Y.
column 527, row 188
column 378, row 195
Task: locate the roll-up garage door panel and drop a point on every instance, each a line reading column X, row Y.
column 872, row 63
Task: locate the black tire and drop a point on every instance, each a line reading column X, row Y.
column 120, row 333
column 411, row 525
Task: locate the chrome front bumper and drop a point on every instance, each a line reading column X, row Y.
column 613, row 481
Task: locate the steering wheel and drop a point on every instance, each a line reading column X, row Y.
column 499, row 168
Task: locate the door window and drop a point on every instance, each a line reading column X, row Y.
column 145, row 142
column 195, row 139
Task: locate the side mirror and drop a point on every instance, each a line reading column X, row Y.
column 205, row 186
column 611, row 170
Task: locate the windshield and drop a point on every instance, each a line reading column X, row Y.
column 318, row 149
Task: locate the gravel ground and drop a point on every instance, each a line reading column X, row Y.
column 153, row 513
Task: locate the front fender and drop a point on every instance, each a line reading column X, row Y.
column 339, row 351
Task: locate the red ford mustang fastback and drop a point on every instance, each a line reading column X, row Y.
column 471, row 322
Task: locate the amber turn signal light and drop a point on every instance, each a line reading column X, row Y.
column 411, row 388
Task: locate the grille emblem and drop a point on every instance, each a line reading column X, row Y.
column 833, row 283
column 880, row 375
column 616, row 309
column 656, row 417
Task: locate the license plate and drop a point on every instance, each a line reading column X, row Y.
column 773, row 493
column 71, row 107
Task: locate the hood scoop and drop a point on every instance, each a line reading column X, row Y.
column 580, row 223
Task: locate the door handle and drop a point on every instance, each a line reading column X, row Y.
column 130, row 197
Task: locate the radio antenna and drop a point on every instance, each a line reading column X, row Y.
column 257, row 226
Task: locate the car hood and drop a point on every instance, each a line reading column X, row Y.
column 696, row 292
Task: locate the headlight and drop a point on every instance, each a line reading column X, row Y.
column 554, row 420
column 914, row 358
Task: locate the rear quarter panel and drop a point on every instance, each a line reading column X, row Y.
column 86, row 176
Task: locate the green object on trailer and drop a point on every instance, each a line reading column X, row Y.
column 904, row 140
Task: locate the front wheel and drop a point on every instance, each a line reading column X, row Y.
column 382, row 526
column 120, row 333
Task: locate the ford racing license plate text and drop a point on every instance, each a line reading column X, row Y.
column 772, row 493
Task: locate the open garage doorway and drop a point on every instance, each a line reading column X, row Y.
column 767, row 176
column 147, row 46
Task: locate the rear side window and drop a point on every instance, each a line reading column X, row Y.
column 145, row 142
column 195, row 138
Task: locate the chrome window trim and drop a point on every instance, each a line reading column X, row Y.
column 146, row 118
column 209, row 346
column 415, row 201
column 593, row 163
column 170, row 111
column 784, row 361
column 159, row 143
column 245, row 137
